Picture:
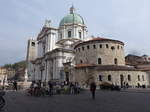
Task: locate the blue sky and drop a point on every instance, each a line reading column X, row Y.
column 125, row 20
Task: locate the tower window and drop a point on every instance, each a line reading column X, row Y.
column 116, row 61
column 80, row 35
column 109, row 77
column 69, row 33
column 129, row 77
column 94, row 46
column 100, row 78
column 99, row 61
column 33, row 43
column 107, row 46
column 100, row 45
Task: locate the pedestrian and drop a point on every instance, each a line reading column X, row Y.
column 71, row 88
column 35, row 89
column 15, row 85
column 77, row 91
column 50, row 88
column 93, row 88
column 127, row 85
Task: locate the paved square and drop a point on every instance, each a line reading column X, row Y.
column 106, row 101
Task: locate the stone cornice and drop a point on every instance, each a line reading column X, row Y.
column 63, row 26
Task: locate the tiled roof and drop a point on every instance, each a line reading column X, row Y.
column 99, row 39
column 144, row 69
column 84, row 65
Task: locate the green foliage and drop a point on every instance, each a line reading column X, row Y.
column 21, row 64
column 17, row 65
column 8, row 65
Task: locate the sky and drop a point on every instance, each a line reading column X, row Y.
column 124, row 20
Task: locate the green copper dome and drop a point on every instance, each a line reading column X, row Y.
column 72, row 18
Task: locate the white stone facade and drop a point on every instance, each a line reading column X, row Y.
column 55, row 47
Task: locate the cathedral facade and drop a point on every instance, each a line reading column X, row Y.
column 67, row 54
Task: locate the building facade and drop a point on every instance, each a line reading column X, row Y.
column 3, row 76
column 67, row 54
column 103, row 60
column 54, row 47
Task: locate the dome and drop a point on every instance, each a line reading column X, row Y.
column 72, row 18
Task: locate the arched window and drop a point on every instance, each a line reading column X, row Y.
column 81, row 61
column 94, row 46
column 107, row 46
column 99, row 61
column 112, row 48
column 143, row 77
column 69, row 33
column 88, row 47
column 100, row 78
column 129, row 77
column 138, row 77
column 100, row 45
column 33, row 44
column 80, row 35
column 116, row 61
column 109, row 77
column 118, row 47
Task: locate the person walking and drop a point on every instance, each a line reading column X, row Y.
column 35, row 89
column 71, row 88
column 15, row 85
column 50, row 88
column 93, row 88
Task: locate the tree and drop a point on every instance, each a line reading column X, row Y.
column 8, row 66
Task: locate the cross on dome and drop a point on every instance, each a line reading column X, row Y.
column 72, row 9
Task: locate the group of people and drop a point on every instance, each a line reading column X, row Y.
column 125, row 85
column 36, row 89
column 74, row 88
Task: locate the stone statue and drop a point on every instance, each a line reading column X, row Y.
column 47, row 23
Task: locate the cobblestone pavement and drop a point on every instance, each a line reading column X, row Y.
column 106, row 101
